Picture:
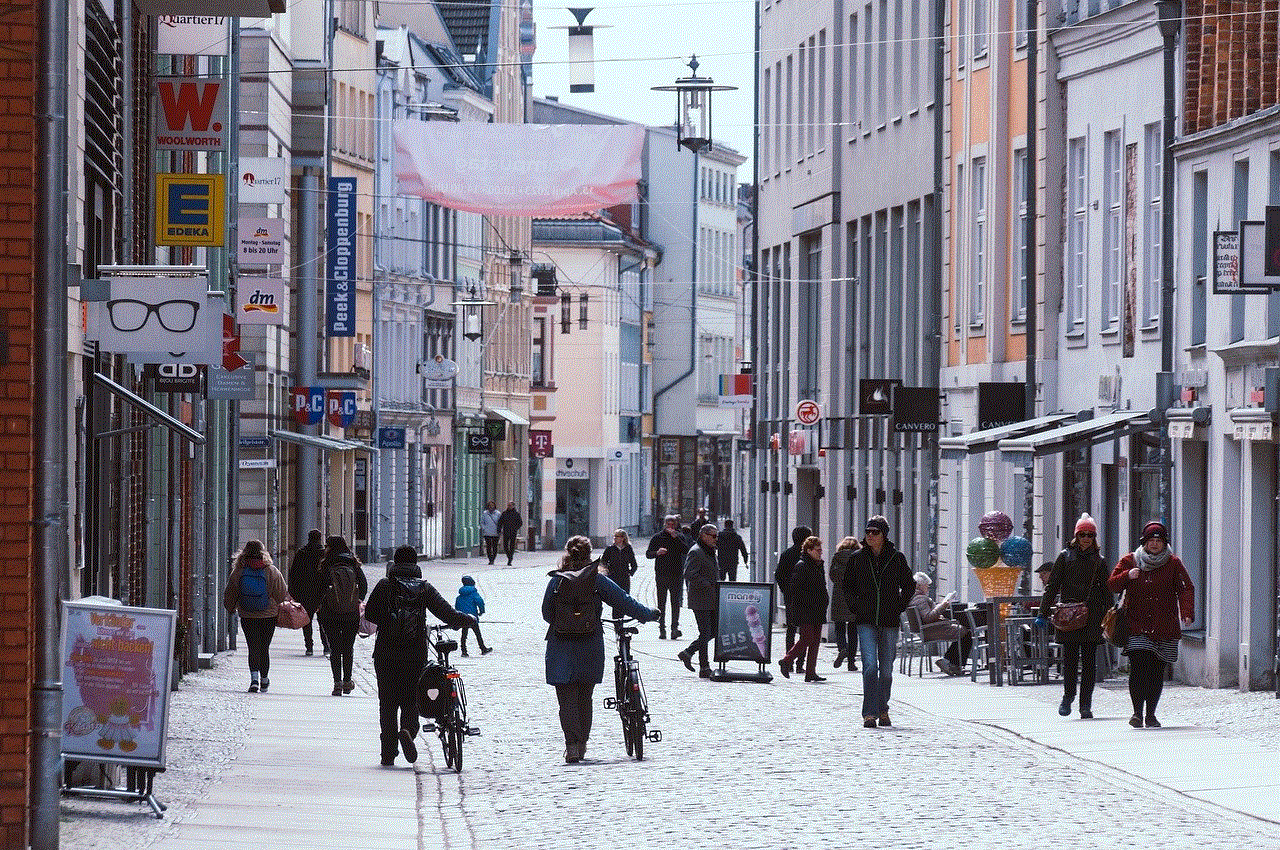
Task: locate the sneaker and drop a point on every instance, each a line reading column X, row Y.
column 253, row 686
column 1152, row 723
column 407, row 746
column 348, row 686
column 264, row 684
column 337, row 689
column 486, row 650
column 884, row 719
column 869, row 722
column 1135, row 722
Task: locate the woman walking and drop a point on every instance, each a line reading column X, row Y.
column 841, row 616
column 575, row 657
column 1079, row 575
column 342, row 586
column 254, row 592
column 619, row 561
column 1157, row 593
column 877, row 585
column 810, row 599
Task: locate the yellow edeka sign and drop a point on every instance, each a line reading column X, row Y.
column 189, row 209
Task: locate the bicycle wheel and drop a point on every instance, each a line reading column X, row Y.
column 626, row 732
column 636, row 709
column 445, row 742
column 457, row 731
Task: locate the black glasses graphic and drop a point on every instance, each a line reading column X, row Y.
column 128, row 315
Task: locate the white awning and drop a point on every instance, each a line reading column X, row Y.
column 503, row 413
column 1107, row 427
column 328, row 444
column 977, row 442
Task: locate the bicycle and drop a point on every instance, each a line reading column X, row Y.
column 630, row 701
column 450, row 721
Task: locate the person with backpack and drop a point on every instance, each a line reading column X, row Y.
column 304, row 587
column 254, row 592
column 398, row 605
column 342, row 586
column 470, row 601
column 571, row 606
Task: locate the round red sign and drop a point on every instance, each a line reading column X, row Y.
column 807, row 412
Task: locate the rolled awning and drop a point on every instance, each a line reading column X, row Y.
column 503, row 413
column 328, row 444
column 1076, row 434
column 977, row 442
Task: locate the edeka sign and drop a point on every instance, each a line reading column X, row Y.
column 189, row 209
column 744, row 622
column 340, row 259
column 187, row 114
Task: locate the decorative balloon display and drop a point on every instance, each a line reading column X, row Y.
column 995, row 526
column 1015, row 551
column 982, row 552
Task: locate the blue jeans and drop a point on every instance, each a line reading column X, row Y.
column 879, row 645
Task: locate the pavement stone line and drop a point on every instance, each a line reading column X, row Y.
column 780, row 765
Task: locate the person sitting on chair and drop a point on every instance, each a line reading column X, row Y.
column 938, row 625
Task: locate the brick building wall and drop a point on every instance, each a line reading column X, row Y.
column 1232, row 65
column 17, row 211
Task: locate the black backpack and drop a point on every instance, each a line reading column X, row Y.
column 576, row 605
column 343, row 593
column 406, row 616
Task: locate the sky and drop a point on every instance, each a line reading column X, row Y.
column 642, row 44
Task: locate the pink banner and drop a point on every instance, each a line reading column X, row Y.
column 519, row 169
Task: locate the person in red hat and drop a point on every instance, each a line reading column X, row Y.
column 1157, row 593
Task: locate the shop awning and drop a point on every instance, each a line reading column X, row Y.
column 1110, row 426
column 328, row 444
column 503, row 413
column 977, row 442
column 179, row 428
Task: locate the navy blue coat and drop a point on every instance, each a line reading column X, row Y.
column 581, row 660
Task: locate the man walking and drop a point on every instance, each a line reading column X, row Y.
column 700, row 577
column 304, row 587
column 509, row 524
column 489, row 529
column 728, row 545
column 878, row 586
column 782, row 575
column 667, row 548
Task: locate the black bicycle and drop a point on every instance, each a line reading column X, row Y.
column 630, row 700
column 442, row 700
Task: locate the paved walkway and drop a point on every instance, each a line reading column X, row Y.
column 780, row 765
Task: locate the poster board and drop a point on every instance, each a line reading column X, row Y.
column 116, row 667
column 744, row 622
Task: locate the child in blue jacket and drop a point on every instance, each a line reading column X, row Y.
column 471, row 602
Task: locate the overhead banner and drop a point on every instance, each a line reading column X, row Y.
column 340, row 258
column 260, row 300
column 518, row 169
column 745, row 622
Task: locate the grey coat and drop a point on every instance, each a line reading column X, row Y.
column 700, row 575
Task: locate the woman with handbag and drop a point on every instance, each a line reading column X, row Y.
column 1078, row 583
column 254, row 592
column 1158, row 592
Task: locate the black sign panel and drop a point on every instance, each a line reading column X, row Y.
column 1001, row 404
column 875, row 395
column 1271, row 244
column 496, row 428
column 479, row 444
column 916, row 410
column 173, row 377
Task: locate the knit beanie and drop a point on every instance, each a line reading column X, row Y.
column 1155, row 529
column 1086, row 523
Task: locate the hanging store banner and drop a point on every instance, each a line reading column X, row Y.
column 115, row 682
column 189, row 209
column 540, row 444
column 233, row 385
column 391, row 438
column 1253, row 259
column 735, row 390
column 916, row 409
column 173, row 377
column 340, row 259
column 189, row 114
column 479, row 444
column 260, row 300
column 875, row 395
column 308, row 405
column 518, row 169
column 745, row 621
column 261, row 241
column 340, row 407
column 262, row 180
column 191, row 35
column 158, row 320
column 1001, row 403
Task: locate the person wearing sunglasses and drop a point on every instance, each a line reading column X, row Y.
column 1079, row 575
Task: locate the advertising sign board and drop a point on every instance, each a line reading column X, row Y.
column 173, row 377
column 341, row 408
column 158, row 319
column 1000, row 403
column 540, row 444
column 308, row 405
column 875, row 395
column 231, row 385
column 261, row 241
column 189, row 209
column 916, row 409
column 391, row 438
column 479, row 444
column 745, row 622
column 188, row 113
column 191, row 35
column 262, row 180
column 340, row 258
column 261, row 300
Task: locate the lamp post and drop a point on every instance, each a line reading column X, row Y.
column 693, row 108
column 1169, row 17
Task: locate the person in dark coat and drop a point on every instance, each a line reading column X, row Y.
column 575, row 665
column 841, row 616
column 398, row 659
column 878, row 586
column 618, row 561
column 667, row 548
column 1157, row 594
column 304, row 587
column 1079, row 575
column 809, row 598
column 700, row 574
column 728, row 545
column 509, row 525
column 340, row 626
column 782, row 576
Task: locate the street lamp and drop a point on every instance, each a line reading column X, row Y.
column 693, row 107
column 471, row 320
column 1169, row 17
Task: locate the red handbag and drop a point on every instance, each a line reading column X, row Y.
column 292, row 615
column 1070, row 616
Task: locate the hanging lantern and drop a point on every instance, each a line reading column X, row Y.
column 693, row 108
column 582, row 55
column 582, row 311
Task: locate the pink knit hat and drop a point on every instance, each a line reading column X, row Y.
column 1086, row 523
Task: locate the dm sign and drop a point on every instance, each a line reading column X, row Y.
column 260, row 301
column 189, row 209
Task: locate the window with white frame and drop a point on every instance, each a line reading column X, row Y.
column 1152, row 172
column 958, row 275
column 1018, row 298
column 978, row 240
column 980, row 28
column 1112, row 227
column 1077, row 213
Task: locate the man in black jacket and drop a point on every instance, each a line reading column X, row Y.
column 728, row 545
column 509, row 524
column 700, row 575
column 782, row 575
column 878, row 586
column 399, row 654
column 304, row 587
column 667, row 548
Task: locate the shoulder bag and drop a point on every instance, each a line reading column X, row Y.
column 1115, row 625
column 291, row 615
column 1070, row 616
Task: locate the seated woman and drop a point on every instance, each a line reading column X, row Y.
column 938, row 625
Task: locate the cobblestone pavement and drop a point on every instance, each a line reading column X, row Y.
column 741, row 764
